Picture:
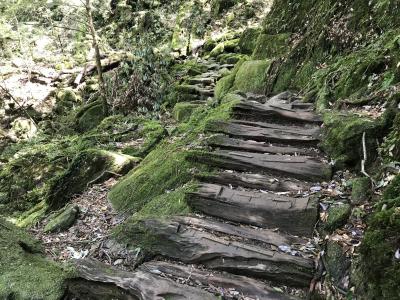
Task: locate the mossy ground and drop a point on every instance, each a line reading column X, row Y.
column 24, row 272
column 29, row 165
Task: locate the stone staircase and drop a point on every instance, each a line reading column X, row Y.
column 250, row 238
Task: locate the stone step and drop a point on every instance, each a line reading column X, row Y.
column 195, row 90
column 293, row 215
column 225, row 285
column 299, row 167
column 177, row 239
column 201, row 81
column 225, row 142
column 274, row 112
column 256, row 181
column 289, row 135
column 95, row 280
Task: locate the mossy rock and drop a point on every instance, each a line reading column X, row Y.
column 338, row 216
column 90, row 165
column 248, row 40
column 63, row 219
column 89, row 116
column 25, row 273
column 337, row 264
column 361, row 191
column 229, row 58
column 65, row 100
column 183, row 111
column 226, row 46
column 343, row 137
column 270, row 46
column 225, row 84
column 251, row 76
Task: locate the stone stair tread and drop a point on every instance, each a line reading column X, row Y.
column 299, row 167
column 225, row 142
column 275, row 133
column 201, row 80
column 277, row 112
column 224, row 284
column 96, row 280
column 256, row 181
column 293, row 215
column 192, row 245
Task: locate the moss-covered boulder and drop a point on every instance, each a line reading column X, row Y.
column 63, row 219
column 226, row 46
column 361, row 190
column 337, row 264
column 248, row 40
column 338, row 215
column 183, row 111
column 89, row 116
column 88, row 167
column 269, row 46
column 343, row 137
column 24, row 271
column 251, row 76
column 225, row 84
column 65, row 100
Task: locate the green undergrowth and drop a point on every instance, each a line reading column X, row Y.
column 29, row 166
column 378, row 263
column 158, row 185
column 24, row 271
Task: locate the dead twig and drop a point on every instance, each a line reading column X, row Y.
column 364, row 160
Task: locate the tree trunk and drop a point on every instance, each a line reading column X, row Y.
column 97, row 55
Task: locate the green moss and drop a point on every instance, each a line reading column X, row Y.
column 24, row 272
column 361, row 191
column 183, row 111
column 166, row 168
column 343, row 137
column 225, row 83
column 269, row 46
column 256, row 70
column 229, row 58
column 63, row 219
column 89, row 116
column 337, row 263
column 248, row 40
column 226, row 46
column 89, row 165
column 337, row 217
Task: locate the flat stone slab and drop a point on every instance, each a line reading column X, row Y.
column 178, row 240
column 293, row 215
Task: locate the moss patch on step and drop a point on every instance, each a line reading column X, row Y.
column 89, row 116
column 24, row 272
column 183, row 111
